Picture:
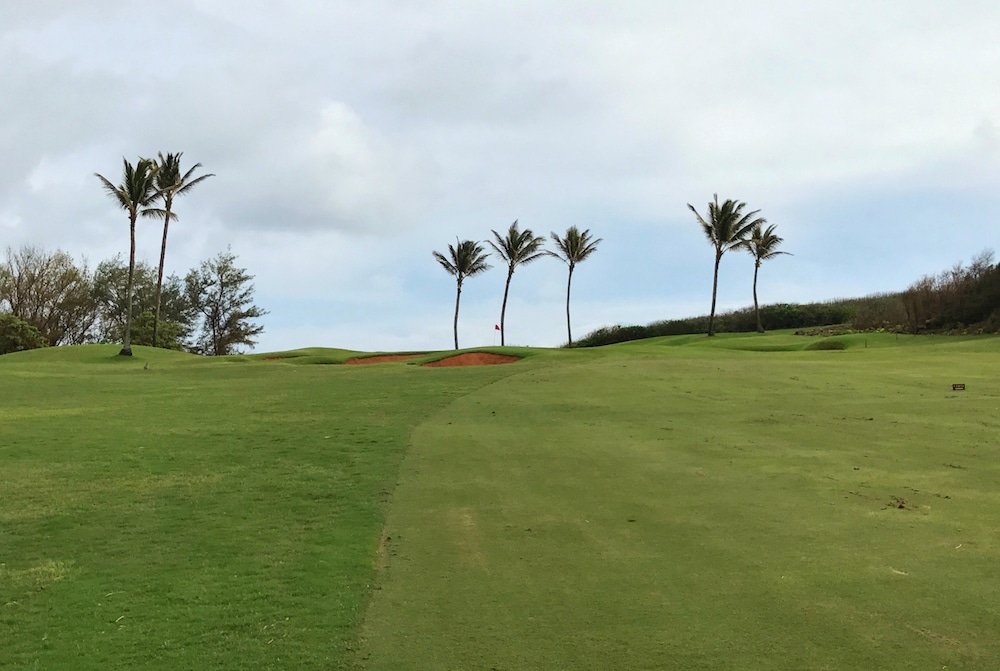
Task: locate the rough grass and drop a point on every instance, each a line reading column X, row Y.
column 739, row 502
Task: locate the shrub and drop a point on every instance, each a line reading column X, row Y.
column 17, row 335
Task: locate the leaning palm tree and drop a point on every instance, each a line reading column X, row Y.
column 572, row 249
column 467, row 259
column 762, row 245
column 726, row 227
column 134, row 195
column 516, row 248
column 170, row 183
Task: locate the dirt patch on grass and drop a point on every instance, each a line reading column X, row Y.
column 275, row 358
column 474, row 359
column 465, row 531
column 383, row 358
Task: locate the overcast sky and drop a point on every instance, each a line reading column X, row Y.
column 352, row 138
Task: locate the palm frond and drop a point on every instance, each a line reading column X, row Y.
column 726, row 226
column 763, row 243
column 155, row 213
column 517, row 247
column 137, row 189
column 169, row 179
column 113, row 191
column 574, row 247
column 445, row 263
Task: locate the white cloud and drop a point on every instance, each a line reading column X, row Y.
column 350, row 139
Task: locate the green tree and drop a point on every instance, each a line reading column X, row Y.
column 170, row 183
column 134, row 195
column 171, row 336
column 17, row 335
column 516, row 248
column 467, row 258
column 110, row 291
column 762, row 244
column 223, row 294
column 572, row 249
column 726, row 227
column 50, row 292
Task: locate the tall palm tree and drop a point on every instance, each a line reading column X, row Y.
column 467, row 258
column 170, row 183
column 517, row 248
column 134, row 195
column 726, row 227
column 572, row 249
column 762, row 245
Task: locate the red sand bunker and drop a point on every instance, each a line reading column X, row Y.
column 474, row 359
column 385, row 358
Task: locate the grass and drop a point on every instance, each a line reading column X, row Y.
column 743, row 502
column 209, row 514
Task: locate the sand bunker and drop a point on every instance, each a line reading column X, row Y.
column 384, row 358
column 474, row 359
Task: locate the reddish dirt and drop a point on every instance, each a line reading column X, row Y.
column 274, row 358
column 385, row 358
column 474, row 359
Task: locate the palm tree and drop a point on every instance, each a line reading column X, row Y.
column 134, row 195
column 170, row 183
column 517, row 248
column 467, row 259
column 572, row 249
column 762, row 245
column 726, row 227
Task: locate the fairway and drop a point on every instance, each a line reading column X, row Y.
column 744, row 502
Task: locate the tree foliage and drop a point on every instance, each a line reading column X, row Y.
column 222, row 294
column 111, row 294
column 960, row 298
column 17, row 335
column 50, row 292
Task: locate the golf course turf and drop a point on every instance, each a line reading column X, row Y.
column 741, row 502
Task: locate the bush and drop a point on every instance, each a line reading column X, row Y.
column 881, row 311
column 779, row 316
column 17, row 335
column 961, row 299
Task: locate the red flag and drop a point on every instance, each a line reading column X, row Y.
column 496, row 327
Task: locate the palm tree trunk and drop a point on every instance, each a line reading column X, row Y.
column 756, row 308
column 458, row 297
column 569, row 331
column 715, row 288
column 159, row 274
column 503, row 308
column 127, row 341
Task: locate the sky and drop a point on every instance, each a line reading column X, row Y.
column 351, row 139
